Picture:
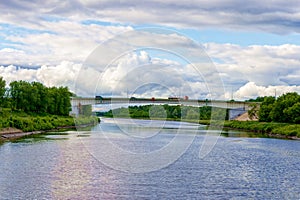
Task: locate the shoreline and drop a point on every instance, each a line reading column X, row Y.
column 268, row 135
column 13, row 133
column 255, row 130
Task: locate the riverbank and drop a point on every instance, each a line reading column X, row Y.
column 269, row 129
column 31, row 125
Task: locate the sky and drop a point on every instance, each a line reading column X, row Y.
column 218, row 49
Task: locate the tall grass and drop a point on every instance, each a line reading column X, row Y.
column 33, row 122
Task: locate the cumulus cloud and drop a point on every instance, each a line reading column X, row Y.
column 64, row 40
column 144, row 57
column 140, row 75
column 251, row 90
column 63, row 74
column 56, row 37
column 264, row 65
column 12, row 73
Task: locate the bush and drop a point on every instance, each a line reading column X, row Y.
column 288, row 130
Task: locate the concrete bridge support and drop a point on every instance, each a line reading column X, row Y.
column 236, row 108
column 234, row 113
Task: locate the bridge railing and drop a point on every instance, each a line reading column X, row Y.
column 191, row 102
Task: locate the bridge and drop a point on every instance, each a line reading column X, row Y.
column 236, row 108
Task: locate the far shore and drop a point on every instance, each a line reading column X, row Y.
column 246, row 126
column 10, row 133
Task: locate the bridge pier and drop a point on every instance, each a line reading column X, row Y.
column 234, row 113
column 77, row 103
column 236, row 108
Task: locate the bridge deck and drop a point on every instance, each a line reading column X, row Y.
column 191, row 102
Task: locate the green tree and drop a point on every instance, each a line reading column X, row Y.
column 192, row 114
column 156, row 111
column 2, row 90
column 281, row 106
column 265, row 109
column 253, row 111
column 293, row 113
column 35, row 97
column 40, row 100
column 258, row 99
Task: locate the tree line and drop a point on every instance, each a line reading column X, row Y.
column 285, row 108
column 167, row 112
column 35, row 97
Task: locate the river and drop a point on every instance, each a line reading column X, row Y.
column 141, row 159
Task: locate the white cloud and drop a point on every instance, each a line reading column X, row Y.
column 63, row 40
column 278, row 17
column 137, row 74
column 63, row 74
column 143, row 59
column 56, row 38
column 251, row 90
column 264, row 65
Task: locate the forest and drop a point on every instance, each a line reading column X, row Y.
column 33, row 106
column 285, row 108
column 35, row 97
column 171, row 112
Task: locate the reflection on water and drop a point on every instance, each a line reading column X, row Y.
column 71, row 171
column 231, row 133
column 61, row 167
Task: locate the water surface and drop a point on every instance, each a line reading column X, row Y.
column 68, row 167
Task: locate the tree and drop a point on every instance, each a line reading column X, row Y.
column 41, row 97
column 293, row 113
column 282, row 104
column 2, row 90
column 156, row 111
column 15, row 94
column 265, row 109
column 284, row 109
column 35, row 97
column 253, row 111
column 258, row 99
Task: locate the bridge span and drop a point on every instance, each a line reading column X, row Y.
column 235, row 107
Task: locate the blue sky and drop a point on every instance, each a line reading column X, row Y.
column 254, row 46
column 219, row 35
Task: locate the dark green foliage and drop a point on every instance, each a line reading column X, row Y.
column 253, row 111
column 169, row 112
column 284, row 109
column 258, row 99
column 35, row 97
column 288, row 130
column 89, row 120
column 2, row 91
column 265, row 109
column 281, row 129
column 293, row 113
column 32, row 106
column 35, row 122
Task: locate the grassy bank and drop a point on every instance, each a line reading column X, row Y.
column 272, row 129
column 33, row 122
column 268, row 128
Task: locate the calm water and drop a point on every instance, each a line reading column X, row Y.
column 71, row 166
